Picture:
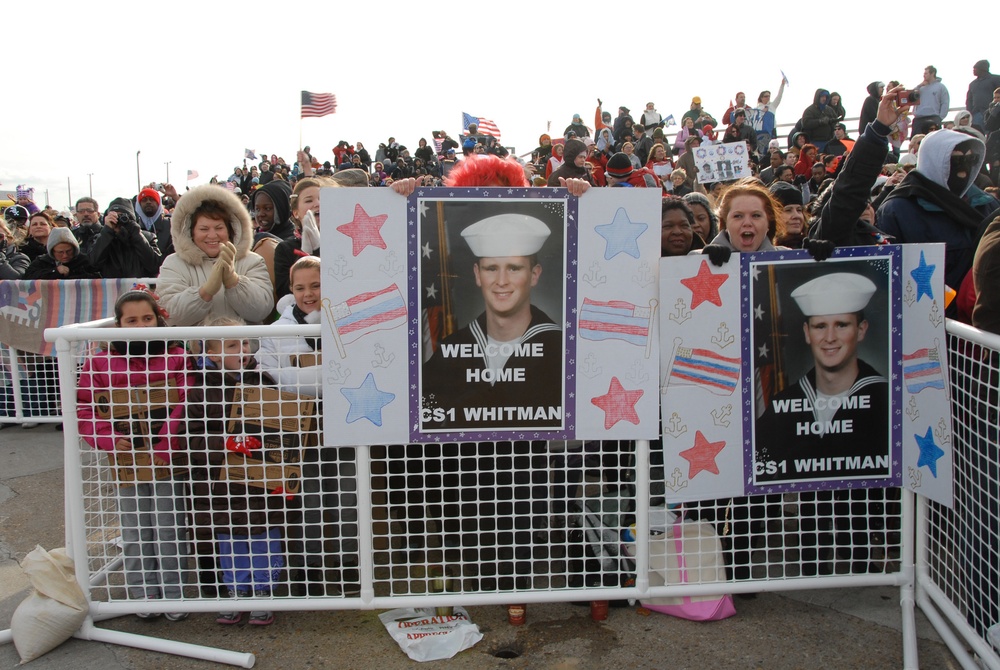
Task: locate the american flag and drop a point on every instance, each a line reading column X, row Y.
column 192, row 174
column 318, row 104
column 249, row 154
column 486, row 127
column 768, row 339
column 615, row 319
column 368, row 312
column 706, row 369
column 922, row 369
column 435, row 279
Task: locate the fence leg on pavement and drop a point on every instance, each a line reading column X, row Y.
column 90, row 632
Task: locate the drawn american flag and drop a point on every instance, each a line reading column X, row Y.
column 706, row 369
column 318, row 104
column 922, row 369
column 486, row 127
column 368, row 312
column 614, row 319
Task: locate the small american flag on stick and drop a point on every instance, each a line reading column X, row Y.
column 318, row 104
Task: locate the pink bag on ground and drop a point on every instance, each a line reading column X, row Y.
column 689, row 553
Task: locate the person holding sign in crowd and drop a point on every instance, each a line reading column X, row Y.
column 503, row 369
column 833, row 424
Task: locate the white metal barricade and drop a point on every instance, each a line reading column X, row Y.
column 291, row 524
column 286, row 523
column 958, row 560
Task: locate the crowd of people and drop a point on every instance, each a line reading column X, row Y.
column 245, row 250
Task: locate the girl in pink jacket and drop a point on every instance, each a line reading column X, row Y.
column 151, row 506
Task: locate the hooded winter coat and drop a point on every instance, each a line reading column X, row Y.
column 923, row 208
column 47, row 267
column 186, row 270
column 569, row 169
column 280, row 193
column 869, row 110
column 818, row 119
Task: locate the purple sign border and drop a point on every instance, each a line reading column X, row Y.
column 895, row 254
column 572, row 234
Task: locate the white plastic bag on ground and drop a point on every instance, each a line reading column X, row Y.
column 54, row 610
column 425, row 636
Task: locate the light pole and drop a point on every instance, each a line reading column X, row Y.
column 69, row 193
column 167, row 163
column 138, row 182
column 90, row 181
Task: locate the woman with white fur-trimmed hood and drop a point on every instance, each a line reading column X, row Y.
column 212, row 272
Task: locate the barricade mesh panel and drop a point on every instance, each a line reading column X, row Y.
column 31, row 381
column 963, row 558
column 207, row 484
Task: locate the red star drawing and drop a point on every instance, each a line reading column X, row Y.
column 702, row 455
column 705, row 286
column 364, row 230
column 618, row 404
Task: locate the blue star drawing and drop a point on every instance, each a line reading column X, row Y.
column 367, row 401
column 929, row 452
column 622, row 235
column 922, row 275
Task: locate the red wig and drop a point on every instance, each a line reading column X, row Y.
column 487, row 170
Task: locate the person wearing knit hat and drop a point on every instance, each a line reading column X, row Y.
column 149, row 210
column 620, row 172
column 25, row 197
column 796, row 228
column 840, row 407
column 503, row 369
column 62, row 259
column 790, row 198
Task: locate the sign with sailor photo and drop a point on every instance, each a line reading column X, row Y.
column 461, row 314
column 781, row 374
column 722, row 162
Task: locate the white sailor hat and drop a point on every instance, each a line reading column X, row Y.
column 836, row 293
column 506, row 235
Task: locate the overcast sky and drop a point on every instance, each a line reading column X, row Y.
column 89, row 84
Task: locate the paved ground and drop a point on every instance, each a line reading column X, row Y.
column 843, row 628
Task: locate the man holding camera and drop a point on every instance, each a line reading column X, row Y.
column 122, row 248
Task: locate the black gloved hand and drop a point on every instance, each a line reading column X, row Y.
column 718, row 254
column 820, row 250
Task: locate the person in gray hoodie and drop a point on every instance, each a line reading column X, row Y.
column 62, row 259
column 931, row 104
